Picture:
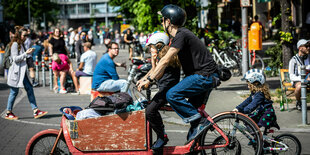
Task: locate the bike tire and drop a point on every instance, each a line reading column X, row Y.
column 259, row 63
column 44, row 144
column 238, row 143
column 291, row 141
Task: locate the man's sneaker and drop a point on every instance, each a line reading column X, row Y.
column 160, row 143
column 39, row 114
column 197, row 131
column 10, row 116
column 35, row 84
column 62, row 91
column 55, row 90
column 76, row 93
column 298, row 105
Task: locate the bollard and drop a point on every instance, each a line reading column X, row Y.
column 50, row 72
column 43, row 71
column 303, row 95
column 37, row 69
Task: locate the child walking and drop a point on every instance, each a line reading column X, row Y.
column 258, row 105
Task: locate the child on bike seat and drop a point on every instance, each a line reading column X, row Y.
column 158, row 46
column 258, row 105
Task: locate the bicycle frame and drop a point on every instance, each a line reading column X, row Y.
column 252, row 56
column 271, row 140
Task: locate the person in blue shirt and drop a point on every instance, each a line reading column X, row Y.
column 105, row 77
column 38, row 48
column 259, row 104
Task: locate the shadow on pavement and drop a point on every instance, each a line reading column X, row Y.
column 274, row 84
column 47, row 116
column 233, row 87
column 4, row 86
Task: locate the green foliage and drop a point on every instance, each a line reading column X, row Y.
column 275, row 62
column 223, row 37
column 144, row 17
column 17, row 10
column 286, row 37
column 276, row 19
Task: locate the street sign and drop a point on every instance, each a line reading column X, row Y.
column 245, row 3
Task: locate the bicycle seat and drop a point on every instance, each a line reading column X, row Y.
column 137, row 61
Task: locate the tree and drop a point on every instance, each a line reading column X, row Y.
column 286, row 36
column 17, row 10
column 143, row 13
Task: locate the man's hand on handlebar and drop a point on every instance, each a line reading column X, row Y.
column 143, row 84
column 235, row 110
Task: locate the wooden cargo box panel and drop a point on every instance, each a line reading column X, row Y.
column 125, row 131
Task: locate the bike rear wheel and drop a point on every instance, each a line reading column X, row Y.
column 44, row 144
column 243, row 134
column 294, row 146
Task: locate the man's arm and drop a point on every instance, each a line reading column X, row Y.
column 163, row 63
column 81, row 66
column 50, row 47
column 291, row 70
column 120, row 64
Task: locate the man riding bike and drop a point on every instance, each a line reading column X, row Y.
column 197, row 64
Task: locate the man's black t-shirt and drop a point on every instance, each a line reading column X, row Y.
column 195, row 58
column 58, row 45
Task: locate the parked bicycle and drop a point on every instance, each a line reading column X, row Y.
column 231, row 57
column 226, row 57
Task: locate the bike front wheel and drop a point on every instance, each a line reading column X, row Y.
column 43, row 145
column 243, row 134
column 294, row 146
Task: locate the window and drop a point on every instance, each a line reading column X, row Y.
column 71, row 9
column 83, row 9
column 113, row 9
column 99, row 8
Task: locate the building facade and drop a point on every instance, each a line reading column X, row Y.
column 86, row 13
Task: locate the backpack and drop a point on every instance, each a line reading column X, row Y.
column 105, row 104
column 7, row 62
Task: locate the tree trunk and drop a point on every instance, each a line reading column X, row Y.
column 287, row 48
column 213, row 15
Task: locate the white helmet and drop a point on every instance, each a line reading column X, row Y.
column 157, row 37
column 255, row 75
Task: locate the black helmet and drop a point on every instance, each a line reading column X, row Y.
column 176, row 14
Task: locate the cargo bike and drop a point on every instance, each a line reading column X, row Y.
column 130, row 133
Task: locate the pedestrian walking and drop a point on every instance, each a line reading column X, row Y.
column 18, row 75
column 117, row 37
column 79, row 47
column 72, row 42
column 90, row 36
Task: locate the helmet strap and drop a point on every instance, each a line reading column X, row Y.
column 166, row 28
column 160, row 48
